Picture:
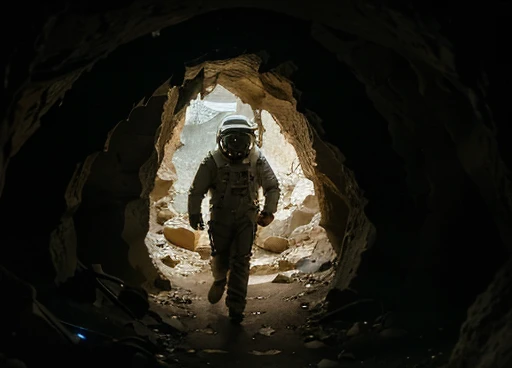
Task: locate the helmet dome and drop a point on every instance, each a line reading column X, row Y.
column 236, row 136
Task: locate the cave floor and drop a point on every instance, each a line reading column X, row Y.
column 279, row 331
column 271, row 335
column 285, row 326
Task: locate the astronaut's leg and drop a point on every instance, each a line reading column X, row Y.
column 239, row 269
column 221, row 239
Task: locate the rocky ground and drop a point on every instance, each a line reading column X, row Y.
column 293, row 319
column 289, row 324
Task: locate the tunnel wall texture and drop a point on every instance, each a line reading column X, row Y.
column 436, row 177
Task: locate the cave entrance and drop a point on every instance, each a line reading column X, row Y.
column 294, row 243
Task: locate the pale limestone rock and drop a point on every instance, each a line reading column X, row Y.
column 263, row 262
column 321, row 253
column 162, row 203
column 282, row 279
column 299, row 218
column 262, row 269
column 294, row 255
column 285, row 227
column 180, row 236
column 285, row 265
column 275, row 244
column 204, row 251
column 164, row 215
column 161, row 188
column 168, row 261
column 302, row 188
column 203, row 240
column 310, row 203
column 276, row 228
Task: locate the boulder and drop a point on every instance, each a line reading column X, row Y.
column 298, row 218
column 180, row 236
column 275, row 244
column 291, row 256
column 285, row 227
column 310, row 204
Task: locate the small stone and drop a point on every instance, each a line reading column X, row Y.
column 208, row 331
column 257, row 313
column 310, row 338
column 266, row 331
column 315, row 344
column 354, row 330
column 268, row 352
column 282, row 279
column 346, row 356
column 175, row 323
column 327, row 363
column 169, row 262
column 204, row 252
column 162, row 284
column 164, row 215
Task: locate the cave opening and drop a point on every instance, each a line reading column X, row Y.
column 293, row 243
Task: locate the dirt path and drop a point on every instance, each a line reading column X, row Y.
column 272, row 334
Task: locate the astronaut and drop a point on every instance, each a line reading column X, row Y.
column 233, row 174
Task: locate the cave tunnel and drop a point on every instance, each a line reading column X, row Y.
column 397, row 112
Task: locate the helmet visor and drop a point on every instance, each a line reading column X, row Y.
column 237, row 144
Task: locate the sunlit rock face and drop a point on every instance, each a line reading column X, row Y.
column 198, row 137
column 298, row 203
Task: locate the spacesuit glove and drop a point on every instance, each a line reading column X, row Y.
column 196, row 221
column 265, row 218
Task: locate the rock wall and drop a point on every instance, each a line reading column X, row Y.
column 485, row 334
column 446, row 202
column 115, row 201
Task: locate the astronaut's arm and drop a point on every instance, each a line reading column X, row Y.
column 202, row 182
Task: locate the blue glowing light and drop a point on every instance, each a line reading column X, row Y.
column 81, row 336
